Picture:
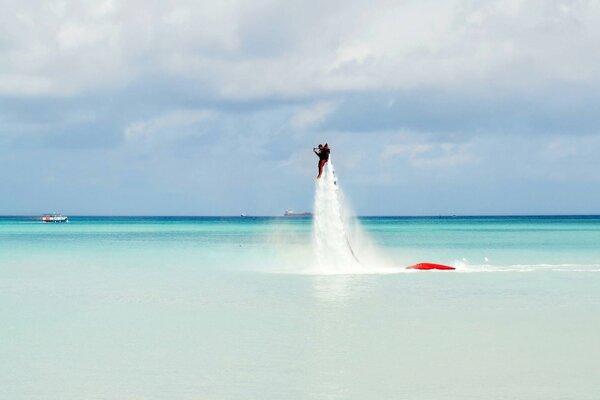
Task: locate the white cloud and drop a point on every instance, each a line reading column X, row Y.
column 430, row 154
column 166, row 126
column 27, row 85
column 74, row 36
column 316, row 48
column 312, row 115
column 103, row 8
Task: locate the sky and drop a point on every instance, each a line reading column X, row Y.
column 446, row 107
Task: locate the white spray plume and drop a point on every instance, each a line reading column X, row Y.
column 340, row 244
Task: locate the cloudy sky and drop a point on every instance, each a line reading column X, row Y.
column 212, row 108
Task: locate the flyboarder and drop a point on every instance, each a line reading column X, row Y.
column 323, row 154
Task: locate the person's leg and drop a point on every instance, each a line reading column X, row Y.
column 321, row 165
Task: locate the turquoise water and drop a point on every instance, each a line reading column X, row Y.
column 222, row 308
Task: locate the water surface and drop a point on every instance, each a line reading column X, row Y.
column 188, row 308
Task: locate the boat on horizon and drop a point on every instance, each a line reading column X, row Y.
column 54, row 218
column 291, row 214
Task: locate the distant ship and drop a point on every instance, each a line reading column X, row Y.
column 54, row 218
column 291, row 214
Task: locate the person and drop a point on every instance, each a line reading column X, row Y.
column 323, row 155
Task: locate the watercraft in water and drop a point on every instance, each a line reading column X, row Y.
column 54, row 218
column 291, row 214
column 430, row 266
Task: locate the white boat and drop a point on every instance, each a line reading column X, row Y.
column 291, row 214
column 54, row 218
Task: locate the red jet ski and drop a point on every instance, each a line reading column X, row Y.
column 430, row 266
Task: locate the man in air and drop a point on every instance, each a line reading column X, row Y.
column 323, row 154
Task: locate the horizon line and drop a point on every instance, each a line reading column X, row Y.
column 299, row 217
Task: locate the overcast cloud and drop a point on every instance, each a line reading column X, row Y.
column 212, row 108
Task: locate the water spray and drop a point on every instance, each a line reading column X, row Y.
column 334, row 252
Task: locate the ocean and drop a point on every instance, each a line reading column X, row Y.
column 230, row 308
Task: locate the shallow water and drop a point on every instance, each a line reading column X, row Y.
column 222, row 308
